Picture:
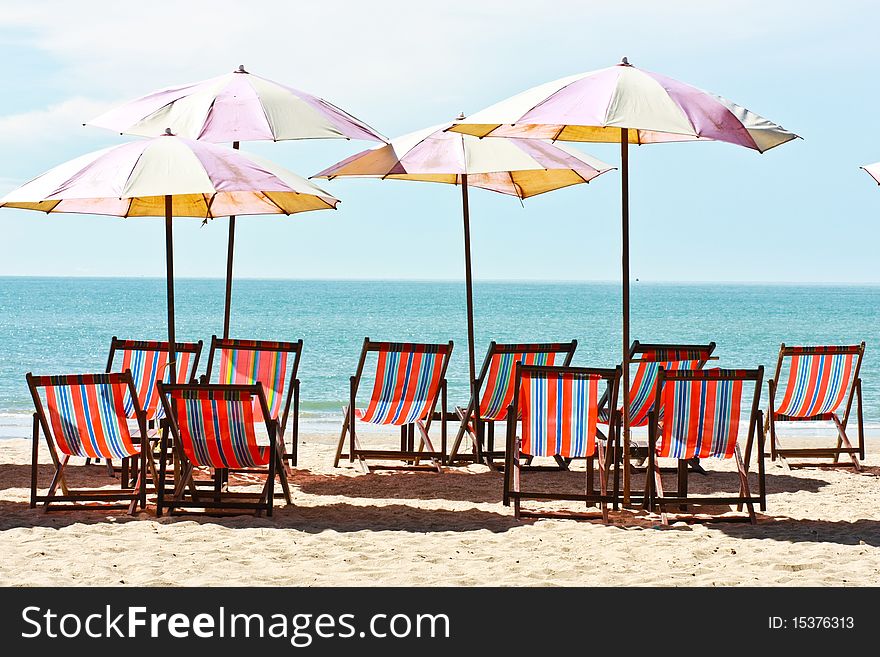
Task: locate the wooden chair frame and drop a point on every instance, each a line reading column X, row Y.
column 482, row 432
column 291, row 397
column 72, row 498
column 117, row 344
column 218, row 499
column 654, row 493
column 844, row 446
column 407, row 452
column 605, row 455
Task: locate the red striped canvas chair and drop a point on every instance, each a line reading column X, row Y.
column 409, row 381
column 700, row 414
column 495, row 386
column 273, row 364
column 648, row 359
column 84, row 415
column 820, row 383
column 559, row 407
column 215, row 427
column 148, row 362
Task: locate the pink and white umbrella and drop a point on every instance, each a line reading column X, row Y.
column 873, row 170
column 628, row 105
column 518, row 167
column 234, row 107
column 168, row 176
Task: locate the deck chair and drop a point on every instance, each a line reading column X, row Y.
column 84, row 415
column 559, row 407
column 410, row 379
column 495, row 384
column 820, row 382
column 698, row 414
column 275, row 365
column 216, row 426
column 648, row 358
column 147, row 360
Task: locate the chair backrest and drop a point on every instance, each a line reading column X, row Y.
column 407, row 383
column 148, row 362
column 820, row 380
column 560, row 407
column 245, row 362
column 649, row 358
column 215, row 424
column 84, row 414
column 497, row 376
column 702, row 411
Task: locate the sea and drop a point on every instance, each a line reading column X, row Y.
column 64, row 325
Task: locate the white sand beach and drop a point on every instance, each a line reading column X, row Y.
column 821, row 528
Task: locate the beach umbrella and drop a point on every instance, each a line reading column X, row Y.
column 873, row 170
column 235, row 107
column 169, row 176
column 626, row 105
column 518, row 167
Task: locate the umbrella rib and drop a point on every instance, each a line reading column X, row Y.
column 269, row 198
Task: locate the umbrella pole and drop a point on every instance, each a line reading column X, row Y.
column 230, row 251
column 624, row 206
column 169, row 281
column 469, row 285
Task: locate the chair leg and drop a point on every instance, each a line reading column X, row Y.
column 843, row 440
column 744, row 485
column 341, row 444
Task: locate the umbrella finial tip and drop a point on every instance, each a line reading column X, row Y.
column 625, row 61
column 241, row 69
column 460, row 116
column 168, row 132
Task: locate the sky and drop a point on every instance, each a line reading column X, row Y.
column 803, row 212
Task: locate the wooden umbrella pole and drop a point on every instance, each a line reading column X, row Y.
column 624, row 206
column 169, row 282
column 469, row 285
column 230, row 251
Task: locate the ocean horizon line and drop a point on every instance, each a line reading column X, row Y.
column 527, row 281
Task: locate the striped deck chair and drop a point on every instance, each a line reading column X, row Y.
column 821, row 381
column 148, row 361
column 84, row 415
column 409, row 381
column 275, row 365
column 647, row 359
column 495, row 384
column 699, row 414
column 215, row 426
column 559, row 407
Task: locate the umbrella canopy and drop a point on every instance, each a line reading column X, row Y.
column 518, row 167
column 238, row 106
column 204, row 180
column 628, row 105
column 873, row 170
column 165, row 176
column 594, row 106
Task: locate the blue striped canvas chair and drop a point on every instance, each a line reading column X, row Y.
column 559, row 408
column 699, row 413
column 214, row 427
column 495, row 385
column 84, row 415
column 409, row 381
column 274, row 364
column 820, row 384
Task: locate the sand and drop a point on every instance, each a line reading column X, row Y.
column 822, row 527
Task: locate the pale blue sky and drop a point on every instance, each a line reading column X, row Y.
column 801, row 212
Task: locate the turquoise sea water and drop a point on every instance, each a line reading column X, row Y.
column 64, row 325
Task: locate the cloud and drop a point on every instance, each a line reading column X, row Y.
column 59, row 121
